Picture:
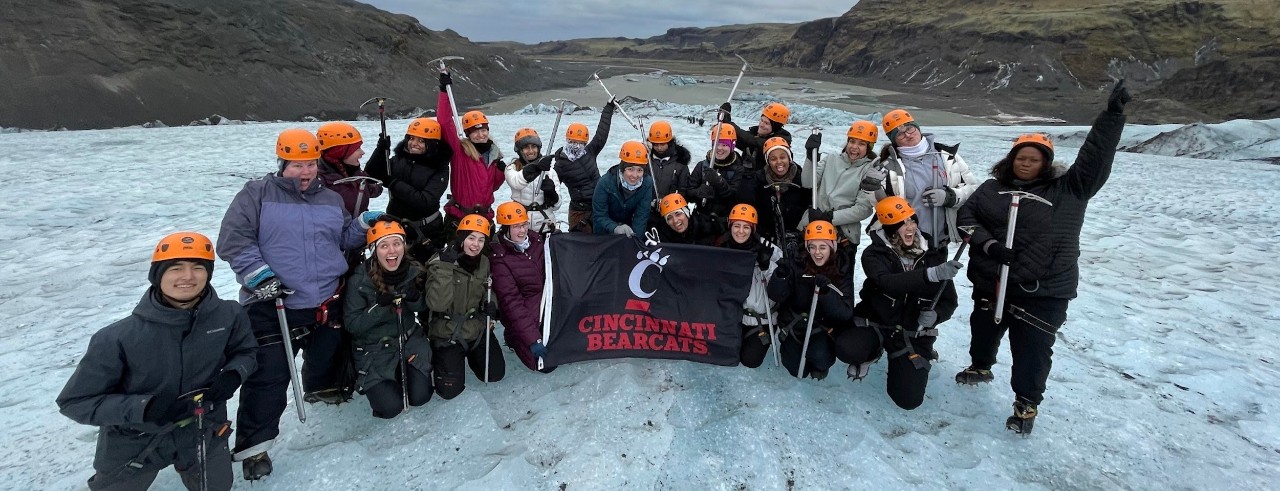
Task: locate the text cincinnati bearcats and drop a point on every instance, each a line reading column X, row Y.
column 644, row 332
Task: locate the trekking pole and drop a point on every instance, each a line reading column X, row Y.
column 741, row 72
column 773, row 329
column 1002, row 285
column 382, row 119
column 457, row 124
column 488, row 325
column 288, row 356
column 596, row 76
column 813, row 309
column 202, row 449
column 363, row 181
column 404, row 367
column 965, row 232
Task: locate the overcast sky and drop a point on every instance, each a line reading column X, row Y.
column 532, row 21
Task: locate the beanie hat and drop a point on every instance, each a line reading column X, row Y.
column 893, row 135
column 159, row 267
column 340, row 153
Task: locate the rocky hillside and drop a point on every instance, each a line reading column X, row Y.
column 1210, row 59
column 104, row 63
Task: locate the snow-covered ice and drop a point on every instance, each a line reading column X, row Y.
column 1165, row 375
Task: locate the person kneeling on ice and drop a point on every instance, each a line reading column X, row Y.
column 793, row 286
column 757, row 309
column 519, row 272
column 530, row 183
column 1043, row 263
column 680, row 226
column 383, row 297
column 461, row 312
column 158, row 381
column 418, row 178
column 895, row 313
column 621, row 204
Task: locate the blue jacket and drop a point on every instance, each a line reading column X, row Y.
column 608, row 209
column 300, row 235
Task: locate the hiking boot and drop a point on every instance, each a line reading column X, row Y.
column 817, row 374
column 1023, row 419
column 257, row 467
column 859, row 372
column 933, row 355
column 974, row 376
column 327, row 396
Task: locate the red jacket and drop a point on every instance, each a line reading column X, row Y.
column 517, row 283
column 472, row 181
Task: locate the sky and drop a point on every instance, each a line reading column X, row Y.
column 533, row 21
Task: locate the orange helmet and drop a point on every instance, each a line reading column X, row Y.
column 527, row 136
column 474, row 223
column 577, row 132
column 634, row 152
column 511, row 213
column 425, row 128
column 660, row 132
column 724, row 131
column 774, row 143
column 380, row 229
column 337, row 133
column 1039, row 140
column 472, row 119
column 893, row 209
column 863, row 130
column 745, row 213
column 183, row 245
column 820, row 230
column 776, row 112
column 297, row 144
column 896, row 118
column 671, row 202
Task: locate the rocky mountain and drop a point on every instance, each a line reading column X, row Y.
column 1189, row 60
column 104, row 63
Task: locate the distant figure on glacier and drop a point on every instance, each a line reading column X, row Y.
column 157, row 382
column 575, row 165
column 931, row 176
column 1044, row 268
column 476, row 170
column 416, row 183
column 531, row 183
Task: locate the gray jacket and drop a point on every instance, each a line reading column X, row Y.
column 840, row 191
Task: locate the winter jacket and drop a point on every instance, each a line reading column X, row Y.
column 580, row 175
column 671, row 172
column 609, row 209
column 1047, row 239
column 472, row 181
column 757, row 305
column 300, row 235
column 893, row 295
column 376, row 329
column 158, row 352
column 955, row 175
column 752, row 146
column 330, row 173
column 794, row 295
column 742, row 185
column 839, row 190
column 416, row 183
column 541, row 205
column 517, row 285
column 702, row 230
column 455, row 300
column 794, row 201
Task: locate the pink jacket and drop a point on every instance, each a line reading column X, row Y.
column 471, row 181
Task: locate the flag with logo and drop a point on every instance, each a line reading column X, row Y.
column 614, row 297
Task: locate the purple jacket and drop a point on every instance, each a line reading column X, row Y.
column 330, row 174
column 301, row 236
column 517, row 282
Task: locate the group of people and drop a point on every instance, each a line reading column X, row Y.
column 396, row 305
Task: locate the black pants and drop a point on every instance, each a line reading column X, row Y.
column 264, row 395
column 177, row 448
column 820, row 356
column 1032, row 324
column 755, row 345
column 327, row 362
column 387, row 400
column 447, row 362
column 907, row 377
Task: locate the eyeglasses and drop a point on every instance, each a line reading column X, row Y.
column 908, row 129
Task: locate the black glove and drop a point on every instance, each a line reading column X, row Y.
column 543, row 163
column 764, row 255
column 491, row 309
column 874, row 180
column 158, row 412
column 384, row 144
column 999, row 252
column 1118, row 98
column 539, row 350
column 783, row 272
column 413, row 295
column 445, row 81
column 448, row 254
column 269, row 289
column 714, row 179
column 814, row 141
column 723, row 114
column 822, row 282
column 387, row 299
column 816, row 214
column 550, row 198
column 613, row 101
column 223, row 386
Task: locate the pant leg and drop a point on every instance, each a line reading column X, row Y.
column 448, row 365
column 856, row 345
column 819, row 357
column 385, row 399
column 324, row 358
column 580, row 221
column 139, row 481
column 1031, row 346
column 906, row 382
column 420, row 387
column 497, row 364
column 264, row 395
column 754, row 345
column 217, row 462
column 985, row 334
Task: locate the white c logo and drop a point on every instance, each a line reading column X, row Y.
column 655, row 259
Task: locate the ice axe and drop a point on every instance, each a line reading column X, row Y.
column 965, row 232
column 363, row 181
column 449, row 89
column 404, row 366
column 596, row 76
column 813, row 160
column 287, row 341
column 382, row 119
column 1002, row 285
column 741, row 72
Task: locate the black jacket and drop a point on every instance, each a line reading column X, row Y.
column 1046, row 238
column 417, row 182
column 671, row 171
column 580, row 175
column 702, row 231
column 742, row 185
column 893, row 295
column 752, row 146
column 794, row 293
column 795, row 201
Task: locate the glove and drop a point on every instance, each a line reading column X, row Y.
column 371, row 217
column 814, row 141
column 387, row 299
column 714, row 179
column 413, row 295
column 491, row 309
column 822, row 282
column 927, row 319
column 448, row 254
column 223, row 386
column 445, row 81
column 764, row 255
column 160, row 413
column 999, row 252
column 723, row 114
column 550, row 198
column 543, row 164
column 939, row 197
column 539, row 350
column 269, row 289
column 874, row 180
column 816, row 214
column 613, row 101
column 944, row 271
column 384, row 144
column 1118, row 98
column 783, row 271
column 623, row 229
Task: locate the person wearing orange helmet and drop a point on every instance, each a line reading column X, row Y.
column 340, row 153
column 476, row 170
column 416, row 179
column 757, row 309
column 669, row 165
column 846, row 182
column 792, row 287
column 773, row 116
column 681, row 226
column 575, row 166
column 157, row 382
column 519, row 273
column 382, row 298
column 531, row 183
column 725, row 177
column 783, row 198
column 895, row 314
column 932, row 177
column 621, row 203
column 1044, row 259
column 457, row 308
